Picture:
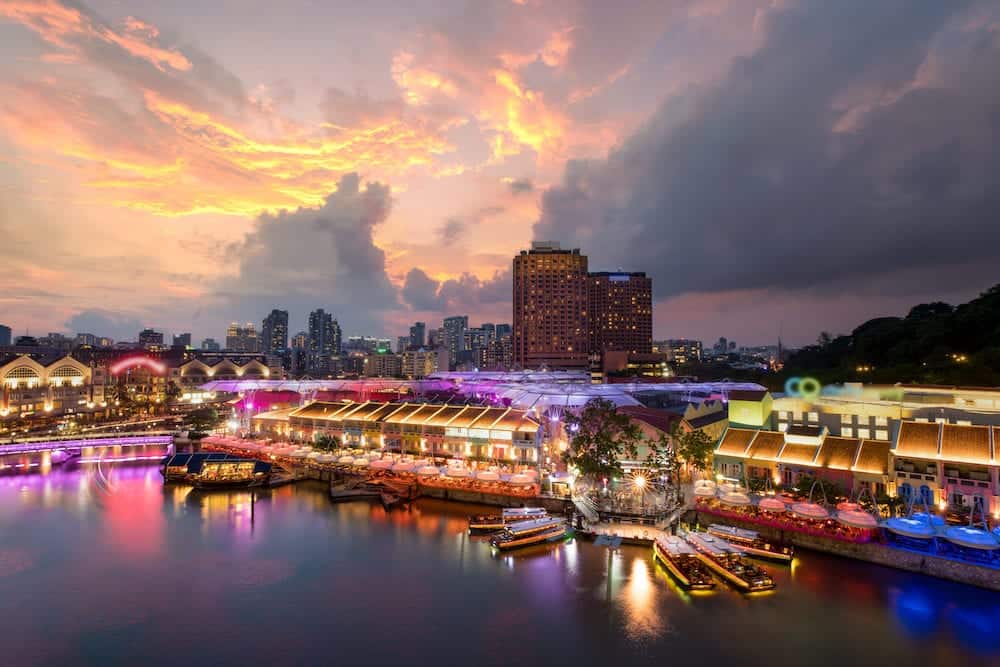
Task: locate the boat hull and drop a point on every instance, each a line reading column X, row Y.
column 674, row 569
column 550, row 535
column 784, row 556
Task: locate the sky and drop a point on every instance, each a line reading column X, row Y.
column 779, row 167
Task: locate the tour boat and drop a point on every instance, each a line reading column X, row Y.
column 682, row 561
column 494, row 522
column 527, row 533
column 230, row 473
column 727, row 561
column 752, row 543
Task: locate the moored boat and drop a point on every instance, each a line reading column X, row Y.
column 682, row 561
column 494, row 522
column 527, row 533
column 727, row 561
column 753, row 544
column 230, row 473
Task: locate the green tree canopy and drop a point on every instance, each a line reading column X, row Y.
column 202, row 419
column 695, row 447
column 325, row 442
column 600, row 438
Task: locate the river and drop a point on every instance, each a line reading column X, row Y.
column 103, row 565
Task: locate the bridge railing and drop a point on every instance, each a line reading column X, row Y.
column 78, row 443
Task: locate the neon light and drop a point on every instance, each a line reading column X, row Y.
column 131, row 362
column 127, row 459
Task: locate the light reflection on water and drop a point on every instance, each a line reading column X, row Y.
column 104, row 565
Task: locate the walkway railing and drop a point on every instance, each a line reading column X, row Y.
column 78, row 443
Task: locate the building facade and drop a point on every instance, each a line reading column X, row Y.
column 5, row 335
column 242, row 339
column 454, row 329
column 324, row 342
column 418, row 335
column 621, row 312
column 551, row 319
column 274, row 333
column 150, row 339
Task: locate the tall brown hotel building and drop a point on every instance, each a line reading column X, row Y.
column 551, row 325
column 621, row 312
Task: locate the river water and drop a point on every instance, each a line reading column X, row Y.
column 105, row 566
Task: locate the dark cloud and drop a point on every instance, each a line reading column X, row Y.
column 451, row 231
column 830, row 156
column 105, row 323
column 317, row 258
column 466, row 293
column 521, row 185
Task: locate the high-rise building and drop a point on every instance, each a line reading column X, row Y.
column 402, row 342
column 621, row 312
column 383, row 365
column 300, row 341
column 454, row 338
column 210, row 345
column 324, row 342
column 551, row 323
column 182, row 340
column 150, row 339
column 502, row 330
column 242, row 338
column 498, row 355
column 274, row 333
column 418, row 363
column 418, row 334
column 680, row 350
column 5, row 334
column 86, row 340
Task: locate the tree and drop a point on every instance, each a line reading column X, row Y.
column 694, row 447
column 601, row 436
column 664, row 461
column 831, row 490
column 326, row 443
column 202, row 419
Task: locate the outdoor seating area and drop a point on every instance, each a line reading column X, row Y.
column 787, row 518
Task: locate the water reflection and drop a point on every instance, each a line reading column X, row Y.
column 120, row 555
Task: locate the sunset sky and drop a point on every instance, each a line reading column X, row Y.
column 775, row 165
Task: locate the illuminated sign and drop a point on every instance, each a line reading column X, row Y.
column 807, row 388
column 132, row 362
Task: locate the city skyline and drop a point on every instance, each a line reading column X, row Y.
column 385, row 162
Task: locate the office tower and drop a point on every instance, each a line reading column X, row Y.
column 621, row 312
column 402, row 342
column 210, row 345
column 417, row 334
column 82, row 340
column 551, row 323
column 274, row 333
column 324, row 341
column 5, row 335
column 454, row 338
column 502, row 330
column 242, row 338
column 150, row 339
column 182, row 340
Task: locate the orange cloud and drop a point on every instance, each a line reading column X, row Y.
column 69, row 28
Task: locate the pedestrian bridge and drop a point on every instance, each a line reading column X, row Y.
column 76, row 443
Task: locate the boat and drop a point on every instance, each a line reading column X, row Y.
column 752, row 543
column 230, row 473
column 494, row 522
column 727, row 561
column 682, row 561
column 527, row 533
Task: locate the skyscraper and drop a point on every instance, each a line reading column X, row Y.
column 5, row 333
column 324, row 342
column 454, row 338
column 274, row 333
column 621, row 312
column 210, row 345
column 182, row 340
column 551, row 323
column 417, row 334
column 242, row 338
column 150, row 339
column 503, row 330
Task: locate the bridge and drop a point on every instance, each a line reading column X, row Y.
column 75, row 444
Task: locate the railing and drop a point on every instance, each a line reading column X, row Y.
column 118, row 440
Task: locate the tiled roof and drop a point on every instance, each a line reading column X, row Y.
column 735, row 441
column 708, row 420
column 325, row 409
column 838, row 453
column 766, row 445
column 798, row 454
column 918, row 439
column 276, row 415
column 965, row 443
column 873, row 457
column 662, row 420
column 747, row 395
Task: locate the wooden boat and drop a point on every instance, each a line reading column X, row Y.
column 682, row 561
column 727, row 561
column 527, row 533
column 484, row 523
column 752, row 543
column 230, row 473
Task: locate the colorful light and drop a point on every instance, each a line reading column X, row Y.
column 132, row 362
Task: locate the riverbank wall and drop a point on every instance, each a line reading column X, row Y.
column 871, row 552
